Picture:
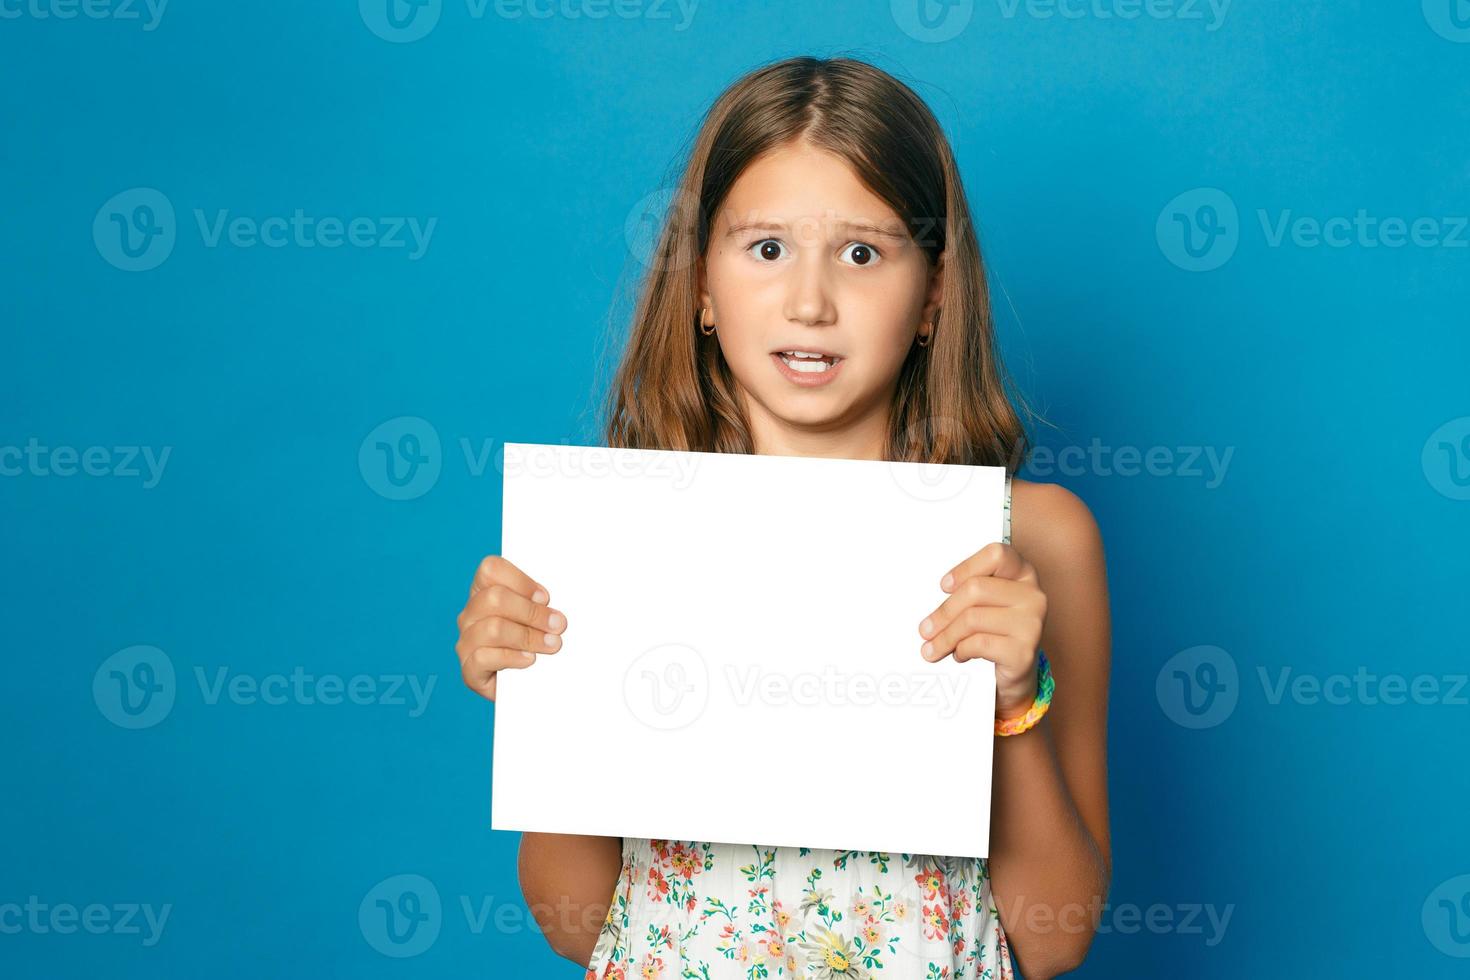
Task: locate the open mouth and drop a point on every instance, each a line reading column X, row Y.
column 807, row 362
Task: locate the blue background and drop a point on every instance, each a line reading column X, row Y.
column 1336, row 539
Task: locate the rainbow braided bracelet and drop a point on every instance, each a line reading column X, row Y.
column 1044, row 688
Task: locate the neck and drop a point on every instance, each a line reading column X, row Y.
column 863, row 438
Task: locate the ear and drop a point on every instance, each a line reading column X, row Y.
column 701, row 285
column 936, row 289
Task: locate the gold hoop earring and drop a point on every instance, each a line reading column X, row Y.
column 711, row 330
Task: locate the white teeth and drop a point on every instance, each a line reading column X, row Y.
column 800, row 353
column 806, row 367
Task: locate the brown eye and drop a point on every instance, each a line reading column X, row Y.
column 769, row 249
column 860, row 254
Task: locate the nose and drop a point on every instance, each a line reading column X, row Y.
column 809, row 296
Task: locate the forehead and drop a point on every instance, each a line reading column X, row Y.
column 801, row 183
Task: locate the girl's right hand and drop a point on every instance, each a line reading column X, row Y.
column 505, row 623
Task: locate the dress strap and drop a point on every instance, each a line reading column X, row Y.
column 1006, row 523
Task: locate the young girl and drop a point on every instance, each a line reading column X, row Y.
column 817, row 290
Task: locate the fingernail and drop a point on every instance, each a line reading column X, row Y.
column 527, row 656
column 926, row 650
column 540, row 596
column 553, row 641
column 926, row 627
column 947, row 582
column 557, row 621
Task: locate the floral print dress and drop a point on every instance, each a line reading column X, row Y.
column 693, row 909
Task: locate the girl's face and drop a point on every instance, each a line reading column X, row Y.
column 803, row 257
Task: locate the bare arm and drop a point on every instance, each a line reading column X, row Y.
column 568, row 882
column 1051, row 858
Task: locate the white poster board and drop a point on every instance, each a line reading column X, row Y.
column 741, row 661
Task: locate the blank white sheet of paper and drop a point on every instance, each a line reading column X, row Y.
column 741, row 659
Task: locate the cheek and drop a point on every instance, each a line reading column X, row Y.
column 897, row 305
column 890, row 319
column 741, row 297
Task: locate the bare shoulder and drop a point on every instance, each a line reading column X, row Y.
column 1052, row 527
column 1055, row 531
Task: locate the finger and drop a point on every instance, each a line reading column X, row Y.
column 499, row 569
column 484, row 661
column 981, row 590
column 999, row 650
column 497, row 631
column 500, row 600
column 997, row 558
column 481, row 667
column 996, row 620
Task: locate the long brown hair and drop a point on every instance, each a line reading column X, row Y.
column 673, row 389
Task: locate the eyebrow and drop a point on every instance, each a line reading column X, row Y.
column 863, row 227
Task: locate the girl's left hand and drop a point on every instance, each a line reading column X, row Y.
column 995, row 611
